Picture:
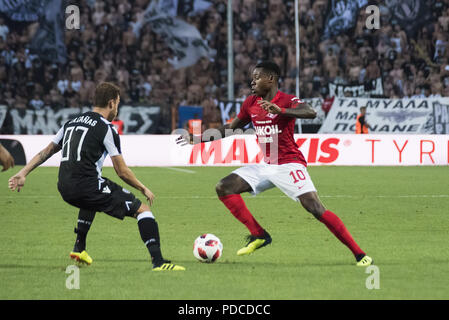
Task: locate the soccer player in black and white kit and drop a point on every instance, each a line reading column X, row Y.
column 85, row 141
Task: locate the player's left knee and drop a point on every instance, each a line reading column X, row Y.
column 314, row 207
column 316, row 211
column 222, row 188
column 143, row 208
column 145, row 214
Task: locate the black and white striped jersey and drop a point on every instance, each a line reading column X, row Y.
column 85, row 142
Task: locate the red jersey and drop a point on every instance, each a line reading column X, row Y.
column 274, row 131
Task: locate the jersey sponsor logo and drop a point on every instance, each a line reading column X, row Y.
column 269, row 115
column 106, row 190
column 267, row 130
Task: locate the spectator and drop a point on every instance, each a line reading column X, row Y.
column 361, row 125
column 36, row 103
column 56, row 99
column 108, row 48
column 63, row 83
column 4, row 30
column 419, row 93
column 9, row 99
column 211, row 114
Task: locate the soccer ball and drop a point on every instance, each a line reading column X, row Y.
column 207, row 248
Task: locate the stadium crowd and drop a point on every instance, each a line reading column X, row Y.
column 106, row 48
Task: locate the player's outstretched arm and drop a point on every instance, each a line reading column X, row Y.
column 303, row 110
column 18, row 180
column 6, row 160
column 125, row 173
column 225, row 131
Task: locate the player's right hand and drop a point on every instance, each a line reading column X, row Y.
column 188, row 139
column 149, row 195
column 16, row 182
column 269, row 107
column 183, row 140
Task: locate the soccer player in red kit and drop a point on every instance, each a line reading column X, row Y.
column 273, row 115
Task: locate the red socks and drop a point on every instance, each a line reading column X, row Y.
column 236, row 205
column 336, row 226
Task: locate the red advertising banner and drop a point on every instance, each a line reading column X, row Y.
column 238, row 150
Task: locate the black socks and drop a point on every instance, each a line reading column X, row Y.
column 149, row 232
column 148, row 228
column 85, row 219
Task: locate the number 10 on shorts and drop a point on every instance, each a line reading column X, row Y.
column 297, row 176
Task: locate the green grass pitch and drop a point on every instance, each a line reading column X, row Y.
column 398, row 215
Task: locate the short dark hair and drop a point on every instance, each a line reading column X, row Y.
column 270, row 68
column 105, row 92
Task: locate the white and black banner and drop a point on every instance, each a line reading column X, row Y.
column 396, row 116
column 342, row 16
column 48, row 41
column 440, row 119
column 3, row 113
column 136, row 120
column 141, row 119
column 409, row 14
column 372, row 88
column 182, row 38
column 316, row 104
column 229, row 109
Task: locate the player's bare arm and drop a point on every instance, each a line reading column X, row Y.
column 18, row 180
column 303, row 110
column 125, row 173
column 225, row 131
column 228, row 129
column 6, row 160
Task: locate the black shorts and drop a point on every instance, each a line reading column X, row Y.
column 106, row 196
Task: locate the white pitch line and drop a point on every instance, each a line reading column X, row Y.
column 389, row 196
column 181, row 170
column 12, row 197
